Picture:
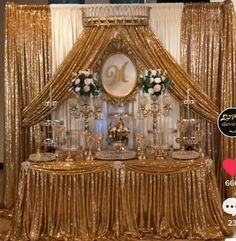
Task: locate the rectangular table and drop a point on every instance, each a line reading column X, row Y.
column 155, row 199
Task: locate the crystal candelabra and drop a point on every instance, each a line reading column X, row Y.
column 43, row 134
column 189, row 128
column 48, row 124
column 142, row 110
column 139, row 137
column 58, row 128
column 89, row 141
column 54, row 129
column 86, row 110
column 98, row 103
column 69, row 157
column 98, row 139
column 160, row 106
column 38, row 136
column 154, row 111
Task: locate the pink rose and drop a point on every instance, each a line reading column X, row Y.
column 86, row 88
column 157, row 88
column 77, row 81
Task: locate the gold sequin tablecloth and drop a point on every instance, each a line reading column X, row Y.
column 118, row 200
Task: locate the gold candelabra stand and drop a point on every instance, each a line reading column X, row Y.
column 86, row 111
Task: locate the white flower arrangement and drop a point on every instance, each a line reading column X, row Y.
column 155, row 82
column 85, row 83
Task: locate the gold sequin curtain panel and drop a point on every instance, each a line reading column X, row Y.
column 27, row 63
column 208, row 52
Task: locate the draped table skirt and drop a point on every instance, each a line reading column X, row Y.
column 128, row 200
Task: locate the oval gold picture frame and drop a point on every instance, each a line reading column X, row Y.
column 119, row 76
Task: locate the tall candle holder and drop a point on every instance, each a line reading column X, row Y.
column 39, row 136
column 139, row 137
column 98, row 103
column 69, row 157
column 142, row 110
column 47, row 127
column 160, row 106
column 98, row 139
column 86, row 111
column 41, row 139
column 155, row 112
column 188, row 126
column 58, row 128
column 190, row 134
column 89, row 141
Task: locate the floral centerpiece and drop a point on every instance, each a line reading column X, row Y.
column 118, row 133
column 85, row 83
column 155, row 82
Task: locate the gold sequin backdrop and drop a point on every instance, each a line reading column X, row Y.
column 208, row 55
column 28, row 60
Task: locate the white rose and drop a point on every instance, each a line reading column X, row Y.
column 86, row 88
column 77, row 81
column 152, row 80
column 77, row 89
column 87, row 81
column 157, row 88
column 157, row 80
column 153, row 72
column 150, row 91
